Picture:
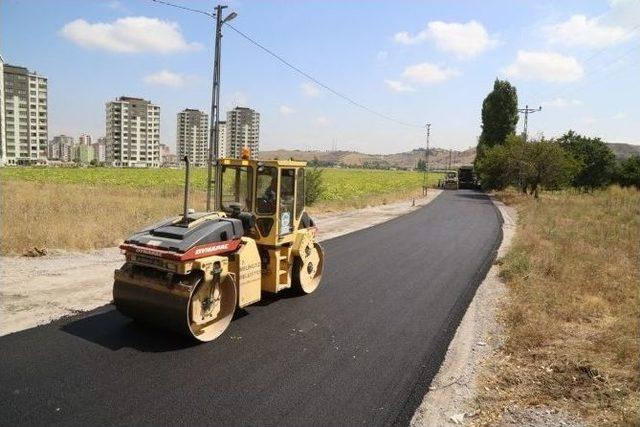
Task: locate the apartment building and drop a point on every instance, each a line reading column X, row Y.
column 61, row 148
column 133, row 133
column 84, row 139
column 222, row 139
column 193, row 136
column 3, row 142
column 100, row 149
column 23, row 116
column 242, row 130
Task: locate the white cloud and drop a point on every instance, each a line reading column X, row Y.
column 428, row 73
column 545, row 66
column 285, row 110
column 310, row 89
column 463, row 40
column 581, row 31
column 322, row 121
column 398, row 86
column 562, row 103
column 129, row 35
column 165, row 78
column 382, row 56
column 118, row 6
column 619, row 116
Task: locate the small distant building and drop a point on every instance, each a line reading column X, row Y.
column 242, row 130
column 61, row 148
column 82, row 153
column 170, row 161
column 193, row 136
column 222, row 139
column 84, row 139
column 100, row 150
column 133, row 133
column 167, row 159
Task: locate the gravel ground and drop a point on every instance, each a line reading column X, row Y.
column 36, row 291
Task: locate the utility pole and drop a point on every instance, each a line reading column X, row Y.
column 426, row 164
column 215, row 112
column 526, row 111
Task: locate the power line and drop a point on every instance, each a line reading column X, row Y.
column 296, row 69
column 318, row 82
column 177, row 6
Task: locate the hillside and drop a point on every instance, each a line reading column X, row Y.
column 438, row 157
column 624, row 151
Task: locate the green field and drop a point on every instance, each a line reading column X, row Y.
column 340, row 184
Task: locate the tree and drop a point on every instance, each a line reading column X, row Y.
column 596, row 162
column 499, row 115
column 548, row 165
column 421, row 166
column 314, row 185
column 628, row 173
column 534, row 165
column 499, row 166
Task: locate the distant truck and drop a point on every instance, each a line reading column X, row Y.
column 451, row 180
column 467, row 178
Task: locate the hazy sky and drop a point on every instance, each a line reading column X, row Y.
column 427, row 61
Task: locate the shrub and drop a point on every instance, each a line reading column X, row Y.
column 628, row 172
column 314, row 185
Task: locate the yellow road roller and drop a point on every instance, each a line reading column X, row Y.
column 190, row 272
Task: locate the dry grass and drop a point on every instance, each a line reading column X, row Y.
column 80, row 217
column 572, row 313
column 75, row 216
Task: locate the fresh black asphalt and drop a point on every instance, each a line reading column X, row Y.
column 361, row 350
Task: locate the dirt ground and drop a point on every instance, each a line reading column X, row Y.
column 35, row 291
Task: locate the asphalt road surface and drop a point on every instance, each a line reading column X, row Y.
column 361, row 350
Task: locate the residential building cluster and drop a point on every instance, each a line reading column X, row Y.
column 132, row 130
column 63, row 148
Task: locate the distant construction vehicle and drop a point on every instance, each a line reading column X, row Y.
column 189, row 273
column 450, row 180
column 467, row 178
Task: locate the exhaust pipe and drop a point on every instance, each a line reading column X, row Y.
column 185, row 217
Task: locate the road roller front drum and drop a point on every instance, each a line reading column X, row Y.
column 185, row 304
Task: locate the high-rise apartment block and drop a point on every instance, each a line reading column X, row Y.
column 193, row 136
column 242, row 130
column 23, row 116
column 133, row 133
column 3, row 143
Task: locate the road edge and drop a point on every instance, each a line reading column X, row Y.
column 450, row 397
